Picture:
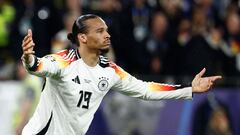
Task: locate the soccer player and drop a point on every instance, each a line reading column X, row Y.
column 78, row 79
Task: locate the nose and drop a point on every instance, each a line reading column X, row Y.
column 107, row 35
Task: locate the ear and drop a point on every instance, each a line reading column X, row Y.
column 82, row 37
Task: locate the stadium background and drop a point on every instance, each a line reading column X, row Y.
column 162, row 40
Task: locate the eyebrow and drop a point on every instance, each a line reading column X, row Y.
column 102, row 28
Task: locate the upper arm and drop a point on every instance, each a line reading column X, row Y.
column 52, row 65
column 46, row 66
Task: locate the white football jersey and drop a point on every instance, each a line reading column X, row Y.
column 73, row 92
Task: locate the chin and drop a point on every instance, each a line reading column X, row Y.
column 104, row 50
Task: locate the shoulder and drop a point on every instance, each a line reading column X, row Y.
column 105, row 62
column 118, row 70
column 64, row 57
column 68, row 54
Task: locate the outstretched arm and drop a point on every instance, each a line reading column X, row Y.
column 131, row 86
column 203, row 84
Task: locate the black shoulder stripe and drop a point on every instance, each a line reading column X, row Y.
column 45, row 129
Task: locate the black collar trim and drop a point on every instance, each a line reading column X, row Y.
column 77, row 54
column 103, row 61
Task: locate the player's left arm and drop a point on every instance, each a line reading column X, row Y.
column 129, row 85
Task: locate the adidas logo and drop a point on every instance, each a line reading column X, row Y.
column 76, row 80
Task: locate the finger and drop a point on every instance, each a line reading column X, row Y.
column 214, row 78
column 211, row 83
column 30, row 32
column 26, row 42
column 201, row 73
column 27, row 45
column 28, row 36
column 30, row 46
column 26, row 39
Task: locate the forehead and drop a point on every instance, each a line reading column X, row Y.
column 96, row 23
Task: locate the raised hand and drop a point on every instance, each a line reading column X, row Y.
column 203, row 84
column 27, row 47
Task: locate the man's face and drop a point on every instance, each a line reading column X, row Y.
column 97, row 35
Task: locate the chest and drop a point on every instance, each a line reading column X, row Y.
column 82, row 87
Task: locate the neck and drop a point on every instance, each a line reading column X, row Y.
column 90, row 57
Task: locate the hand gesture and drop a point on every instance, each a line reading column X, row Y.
column 203, row 84
column 27, row 47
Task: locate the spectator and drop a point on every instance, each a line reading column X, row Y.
column 60, row 41
column 198, row 53
column 232, row 37
column 157, row 46
column 42, row 17
column 218, row 123
column 212, row 118
column 134, row 22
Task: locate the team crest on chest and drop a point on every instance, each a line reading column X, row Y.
column 103, row 83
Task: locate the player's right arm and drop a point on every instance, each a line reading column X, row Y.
column 45, row 67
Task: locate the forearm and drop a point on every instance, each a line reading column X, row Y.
column 43, row 67
column 182, row 93
column 153, row 91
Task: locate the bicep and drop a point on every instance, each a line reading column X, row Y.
column 47, row 66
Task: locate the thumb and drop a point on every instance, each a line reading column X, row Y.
column 201, row 73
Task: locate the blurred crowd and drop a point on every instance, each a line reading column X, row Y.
column 153, row 37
